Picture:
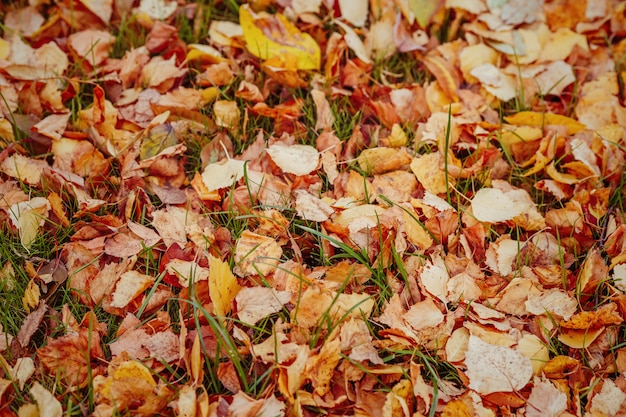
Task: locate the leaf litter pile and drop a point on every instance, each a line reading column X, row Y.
column 302, row 208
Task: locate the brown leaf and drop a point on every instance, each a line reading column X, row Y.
column 31, row 324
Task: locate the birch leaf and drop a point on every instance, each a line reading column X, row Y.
column 492, row 368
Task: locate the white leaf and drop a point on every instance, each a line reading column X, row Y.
column 545, row 400
column 492, row 368
column 157, row 9
column 222, row 174
column 354, row 42
column 495, row 81
column 609, row 401
column 553, row 301
column 28, row 217
column 47, row 404
column 354, row 11
column 294, row 159
column 312, row 208
column 492, row 205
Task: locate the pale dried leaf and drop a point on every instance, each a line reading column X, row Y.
column 22, row 371
column 424, row 315
column 244, row 406
column 256, row 303
column 294, row 159
column 354, row 42
column 129, row 286
column 457, row 344
column 47, row 404
column 23, row 168
column 492, row 368
column 545, row 400
column 495, row 81
column 157, row 9
column 608, row 401
column 553, row 301
column 435, row 278
column 354, row 11
column 256, row 254
column 222, row 174
column 28, row 217
column 91, row 45
column 534, row 349
column 187, row 271
column 355, row 336
column 312, row 208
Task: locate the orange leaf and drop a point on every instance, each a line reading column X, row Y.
column 445, row 75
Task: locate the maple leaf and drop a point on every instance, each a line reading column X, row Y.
column 73, row 357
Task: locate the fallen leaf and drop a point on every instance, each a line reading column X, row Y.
column 91, row 45
column 31, row 324
column 545, row 400
column 492, row 205
column 223, row 286
column 157, row 9
column 320, row 367
column 273, row 37
column 312, row 208
column 492, row 368
column 542, row 119
column 256, row 303
column 243, row 406
column 354, row 12
column 608, row 401
column 129, row 286
column 294, row 159
column 222, row 174
column 317, row 302
column 424, row 10
column 47, row 404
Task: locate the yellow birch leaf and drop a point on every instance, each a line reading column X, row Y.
column 223, row 286
column 274, row 36
column 531, row 118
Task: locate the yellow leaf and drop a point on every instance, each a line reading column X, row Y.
column 273, row 36
column 424, row 10
column 223, row 286
column 531, row 118
column 456, row 408
column 522, row 134
column 205, row 54
column 580, row 339
column 31, row 296
column 196, row 361
column 560, row 177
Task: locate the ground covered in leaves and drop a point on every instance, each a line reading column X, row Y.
column 285, row 207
